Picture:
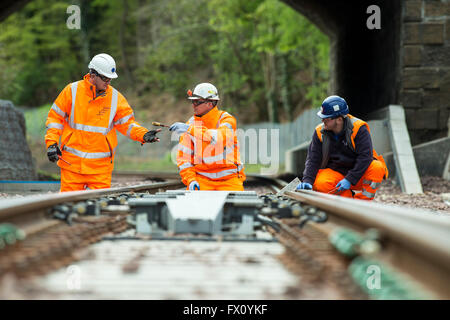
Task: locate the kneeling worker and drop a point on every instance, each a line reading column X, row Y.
column 85, row 117
column 341, row 158
column 208, row 155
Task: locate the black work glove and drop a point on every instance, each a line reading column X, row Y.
column 53, row 152
column 151, row 136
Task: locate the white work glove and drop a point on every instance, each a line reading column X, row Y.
column 179, row 127
column 194, row 185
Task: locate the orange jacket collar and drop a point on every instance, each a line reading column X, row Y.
column 91, row 87
column 209, row 119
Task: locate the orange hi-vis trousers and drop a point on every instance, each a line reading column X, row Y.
column 71, row 181
column 327, row 179
column 233, row 184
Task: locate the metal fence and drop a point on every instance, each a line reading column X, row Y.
column 278, row 137
column 261, row 143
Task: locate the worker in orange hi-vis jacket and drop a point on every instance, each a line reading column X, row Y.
column 341, row 159
column 208, row 154
column 81, row 127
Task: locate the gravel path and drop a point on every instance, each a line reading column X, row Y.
column 436, row 195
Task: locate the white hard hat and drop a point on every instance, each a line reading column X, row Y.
column 205, row 91
column 104, row 64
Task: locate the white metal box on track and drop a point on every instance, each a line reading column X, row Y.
column 196, row 212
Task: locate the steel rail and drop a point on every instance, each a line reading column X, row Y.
column 273, row 181
column 12, row 208
column 417, row 229
column 426, row 235
column 147, row 174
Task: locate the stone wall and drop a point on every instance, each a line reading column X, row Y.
column 425, row 68
column 15, row 155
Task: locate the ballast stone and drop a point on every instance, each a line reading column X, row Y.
column 15, row 156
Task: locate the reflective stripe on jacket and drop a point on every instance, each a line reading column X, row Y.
column 86, row 125
column 351, row 128
column 209, row 148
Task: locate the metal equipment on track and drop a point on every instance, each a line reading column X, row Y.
column 330, row 243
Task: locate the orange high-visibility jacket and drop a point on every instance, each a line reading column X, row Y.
column 87, row 125
column 210, row 148
column 355, row 124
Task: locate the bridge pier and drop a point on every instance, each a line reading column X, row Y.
column 406, row 62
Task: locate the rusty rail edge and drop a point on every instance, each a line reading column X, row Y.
column 417, row 229
column 30, row 204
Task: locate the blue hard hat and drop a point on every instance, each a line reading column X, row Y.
column 332, row 107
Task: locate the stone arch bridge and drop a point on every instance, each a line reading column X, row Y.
column 406, row 61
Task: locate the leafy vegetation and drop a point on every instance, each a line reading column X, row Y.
column 268, row 61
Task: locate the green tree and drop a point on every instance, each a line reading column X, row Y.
column 37, row 53
column 268, row 61
column 263, row 46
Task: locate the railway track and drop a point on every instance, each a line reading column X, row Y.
column 329, row 247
